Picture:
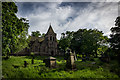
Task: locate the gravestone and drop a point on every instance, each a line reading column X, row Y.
column 70, row 63
column 33, row 60
column 75, row 56
column 50, row 62
column 25, row 63
column 32, row 55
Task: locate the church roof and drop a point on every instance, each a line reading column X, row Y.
column 40, row 39
column 50, row 30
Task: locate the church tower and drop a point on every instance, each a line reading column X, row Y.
column 51, row 41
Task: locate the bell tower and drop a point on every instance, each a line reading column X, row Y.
column 51, row 41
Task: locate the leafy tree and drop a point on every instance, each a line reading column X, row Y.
column 36, row 33
column 62, row 35
column 63, row 44
column 43, row 35
column 115, row 37
column 65, row 40
column 14, row 30
column 102, row 51
column 87, row 41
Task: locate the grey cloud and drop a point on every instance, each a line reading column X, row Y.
column 69, row 16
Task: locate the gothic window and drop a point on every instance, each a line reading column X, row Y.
column 53, row 39
column 50, row 38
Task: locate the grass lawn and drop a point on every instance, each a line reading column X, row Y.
column 14, row 68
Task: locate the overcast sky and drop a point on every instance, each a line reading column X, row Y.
column 68, row 16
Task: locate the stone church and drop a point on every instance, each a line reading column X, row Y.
column 46, row 45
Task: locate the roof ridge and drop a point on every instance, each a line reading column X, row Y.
column 50, row 30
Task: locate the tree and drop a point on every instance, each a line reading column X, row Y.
column 87, row 42
column 65, row 40
column 115, row 37
column 36, row 33
column 14, row 30
column 43, row 35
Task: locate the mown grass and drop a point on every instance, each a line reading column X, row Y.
column 38, row 69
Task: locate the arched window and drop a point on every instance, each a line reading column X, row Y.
column 50, row 38
column 53, row 38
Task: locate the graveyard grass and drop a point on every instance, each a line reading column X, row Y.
column 14, row 68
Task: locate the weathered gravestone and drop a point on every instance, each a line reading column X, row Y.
column 75, row 56
column 25, row 63
column 32, row 59
column 50, row 62
column 32, row 55
column 70, row 63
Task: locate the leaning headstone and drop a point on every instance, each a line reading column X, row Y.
column 32, row 55
column 70, row 63
column 33, row 60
